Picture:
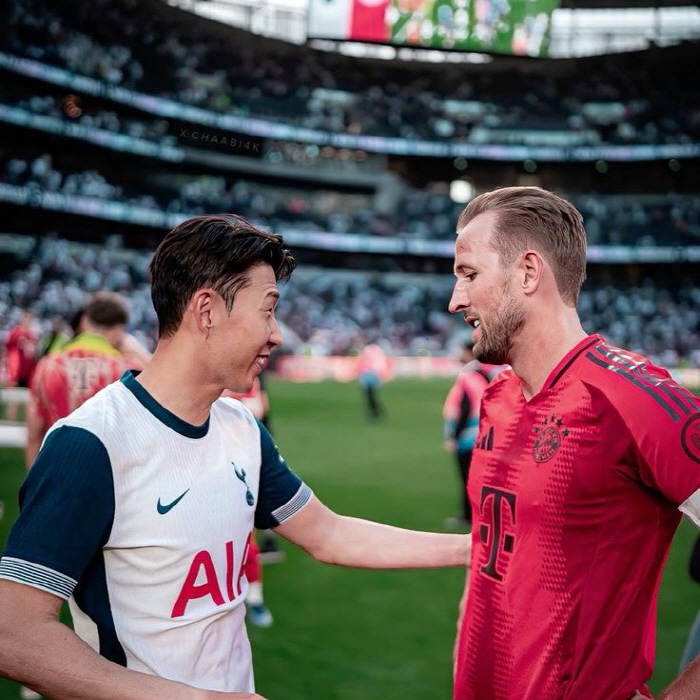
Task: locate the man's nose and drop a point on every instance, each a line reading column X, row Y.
column 459, row 301
column 275, row 333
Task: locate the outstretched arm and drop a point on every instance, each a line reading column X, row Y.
column 339, row 539
column 42, row 653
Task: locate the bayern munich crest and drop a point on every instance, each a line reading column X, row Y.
column 548, row 438
column 690, row 437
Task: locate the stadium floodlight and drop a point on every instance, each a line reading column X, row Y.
column 461, row 191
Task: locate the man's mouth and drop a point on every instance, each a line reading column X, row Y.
column 261, row 361
column 473, row 321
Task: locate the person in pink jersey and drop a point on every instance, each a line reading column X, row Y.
column 460, row 414
column 587, row 457
column 373, row 370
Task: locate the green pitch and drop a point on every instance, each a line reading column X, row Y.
column 347, row 635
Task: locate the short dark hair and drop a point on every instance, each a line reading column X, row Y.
column 536, row 219
column 210, row 251
column 107, row 309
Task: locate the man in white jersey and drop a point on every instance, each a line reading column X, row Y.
column 140, row 504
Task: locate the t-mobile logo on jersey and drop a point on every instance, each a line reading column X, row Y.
column 501, row 505
column 202, row 567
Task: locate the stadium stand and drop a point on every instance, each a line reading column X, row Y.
column 112, row 132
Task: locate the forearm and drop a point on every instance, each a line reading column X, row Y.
column 377, row 546
column 49, row 657
column 686, row 686
column 365, row 544
column 339, row 539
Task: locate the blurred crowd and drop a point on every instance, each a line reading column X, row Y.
column 668, row 219
column 75, row 109
column 332, row 312
column 127, row 43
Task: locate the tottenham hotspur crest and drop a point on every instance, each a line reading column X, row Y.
column 548, row 439
column 249, row 498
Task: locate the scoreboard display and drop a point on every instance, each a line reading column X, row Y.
column 520, row 27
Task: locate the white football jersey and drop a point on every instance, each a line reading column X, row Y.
column 143, row 521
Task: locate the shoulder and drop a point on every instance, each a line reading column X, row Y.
column 47, row 366
column 110, row 406
column 232, row 407
column 637, row 388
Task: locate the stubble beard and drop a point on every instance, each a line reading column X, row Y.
column 496, row 341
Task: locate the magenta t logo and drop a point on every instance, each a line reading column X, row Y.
column 502, row 514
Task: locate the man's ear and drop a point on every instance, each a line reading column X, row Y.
column 201, row 306
column 531, row 268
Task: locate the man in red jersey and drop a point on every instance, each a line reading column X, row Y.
column 586, row 457
column 66, row 379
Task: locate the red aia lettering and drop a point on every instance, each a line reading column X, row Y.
column 191, row 590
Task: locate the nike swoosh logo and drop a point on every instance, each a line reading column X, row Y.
column 164, row 508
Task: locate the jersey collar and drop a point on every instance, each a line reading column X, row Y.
column 160, row 412
column 558, row 372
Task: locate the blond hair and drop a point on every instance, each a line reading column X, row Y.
column 531, row 218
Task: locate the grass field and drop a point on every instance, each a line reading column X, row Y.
column 355, row 635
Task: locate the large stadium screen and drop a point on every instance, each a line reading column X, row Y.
column 520, row 27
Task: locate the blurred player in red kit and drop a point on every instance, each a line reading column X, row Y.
column 586, row 458
column 21, row 347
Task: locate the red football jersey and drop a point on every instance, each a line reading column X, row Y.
column 21, row 354
column 575, row 497
column 65, row 380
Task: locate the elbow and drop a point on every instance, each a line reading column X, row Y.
column 324, row 553
column 330, row 547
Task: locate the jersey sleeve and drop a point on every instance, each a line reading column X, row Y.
column 66, row 513
column 664, row 421
column 282, row 493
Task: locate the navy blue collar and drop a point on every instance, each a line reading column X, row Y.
column 160, row 412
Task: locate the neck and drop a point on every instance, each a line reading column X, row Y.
column 172, row 378
column 541, row 346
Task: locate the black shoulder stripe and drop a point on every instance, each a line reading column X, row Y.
column 637, row 382
column 673, row 392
